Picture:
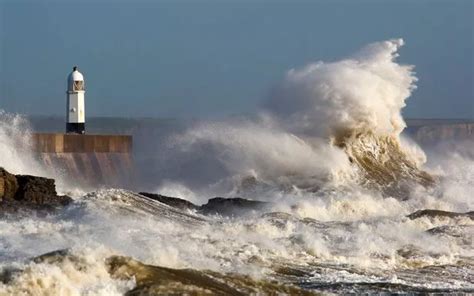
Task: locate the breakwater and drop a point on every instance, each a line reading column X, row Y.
column 88, row 160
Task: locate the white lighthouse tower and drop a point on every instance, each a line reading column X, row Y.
column 75, row 113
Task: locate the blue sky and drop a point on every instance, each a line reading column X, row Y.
column 217, row 58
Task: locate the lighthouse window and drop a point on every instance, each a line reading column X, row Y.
column 78, row 85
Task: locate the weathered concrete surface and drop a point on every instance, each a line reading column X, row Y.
column 87, row 160
column 72, row 143
column 91, row 169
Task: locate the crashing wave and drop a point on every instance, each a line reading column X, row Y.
column 384, row 163
column 326, row 124
column 357, row 102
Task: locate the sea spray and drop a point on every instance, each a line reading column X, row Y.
column 375, row 245
column 271, row 156
column 16, row 147
column 324, row 232
column 18, row 154
column 325, row 125
column 363, row 93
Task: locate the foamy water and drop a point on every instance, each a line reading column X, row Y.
column 344, row 242
column 325, row 152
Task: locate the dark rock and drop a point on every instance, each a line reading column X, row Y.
column 215, row 206
column 39, row 191
column 23, row 193
column 52, row 257
column 8, row 274
column 230, row 206
column 8, row 185
column 409, row 252
column 171, row 201
column 439, row 213
column 458, row 231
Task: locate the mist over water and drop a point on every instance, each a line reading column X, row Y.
column 311, row 122
column 15, row 145
column 326, row 150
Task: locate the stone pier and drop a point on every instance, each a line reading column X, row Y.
column 93, row 160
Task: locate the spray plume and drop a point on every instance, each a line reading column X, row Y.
column 351, row 107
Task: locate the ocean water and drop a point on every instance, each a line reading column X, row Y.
column 326, row 151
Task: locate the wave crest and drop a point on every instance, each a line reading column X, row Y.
column 321, row 125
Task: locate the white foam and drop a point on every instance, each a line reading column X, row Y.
column 365, row 92
column 16, row 146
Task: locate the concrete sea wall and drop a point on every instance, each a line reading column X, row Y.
column 88, row 160
column 435, row 133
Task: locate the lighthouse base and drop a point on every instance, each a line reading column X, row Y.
column 75, row 128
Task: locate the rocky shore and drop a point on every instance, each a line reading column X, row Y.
column 148, row 279
column 20, row 193
column 31, row 194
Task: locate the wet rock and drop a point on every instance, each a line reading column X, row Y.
column 157, row 280
column 149, row 279
column 231, row 206
column 409, row 252
column 53, row 257
column 8, row 274
column 24, row 192
column 39, row 191
column 8, row 185
column 171, row 201
column 439, row 213
column 214, row 206
column 459, row 231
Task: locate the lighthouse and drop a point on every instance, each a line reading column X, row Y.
column 90, row 160
column 75, row 113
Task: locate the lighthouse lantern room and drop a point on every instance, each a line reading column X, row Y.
column 75, row 103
